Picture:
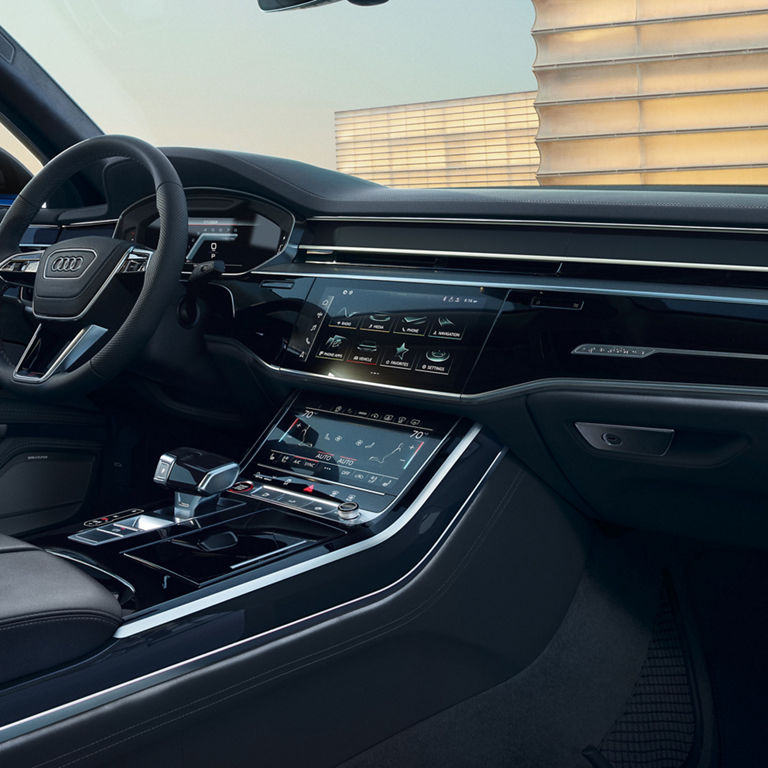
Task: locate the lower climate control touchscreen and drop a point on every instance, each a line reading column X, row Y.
column 324, row 452
column 425, row 337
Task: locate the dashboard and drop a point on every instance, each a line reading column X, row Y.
column 609, row 338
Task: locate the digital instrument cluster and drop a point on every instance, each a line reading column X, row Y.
column 242, row 232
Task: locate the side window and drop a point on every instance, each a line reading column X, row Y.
column 16, row 163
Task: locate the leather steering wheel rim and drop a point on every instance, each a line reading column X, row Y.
column 160, row 279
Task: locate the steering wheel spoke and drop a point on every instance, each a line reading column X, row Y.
column 50, row 352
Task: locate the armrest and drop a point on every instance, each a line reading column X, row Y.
column 51, row 613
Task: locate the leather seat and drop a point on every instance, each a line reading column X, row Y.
column 51, row 612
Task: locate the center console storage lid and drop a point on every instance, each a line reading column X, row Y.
column 51, row 613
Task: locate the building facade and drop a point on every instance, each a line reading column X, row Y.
column 652, row 91
column 629, row 92
column 479, row 141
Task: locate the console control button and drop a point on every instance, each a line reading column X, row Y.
column 243, row 486
column 162, row 470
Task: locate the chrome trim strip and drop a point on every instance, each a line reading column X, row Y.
column 92, row 223
column 86, row 703
column 540, row 223
column 142, row 624
column 538, row 283
column 331, row 249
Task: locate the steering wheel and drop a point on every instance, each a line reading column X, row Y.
column 93, row 319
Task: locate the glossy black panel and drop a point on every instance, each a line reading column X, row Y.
column 627, row 337
column 215, row 552
column 258, row 313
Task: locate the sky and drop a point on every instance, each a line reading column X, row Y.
column 221, row 73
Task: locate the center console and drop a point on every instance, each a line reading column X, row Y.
column 326, row 474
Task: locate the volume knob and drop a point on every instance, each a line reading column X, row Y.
column 348, row 510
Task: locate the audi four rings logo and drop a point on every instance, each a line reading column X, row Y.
column 67, row 264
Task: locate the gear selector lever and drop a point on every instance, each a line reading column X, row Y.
column 197, row 478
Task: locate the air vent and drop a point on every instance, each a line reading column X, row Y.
column 491, row 263
column 618, row 252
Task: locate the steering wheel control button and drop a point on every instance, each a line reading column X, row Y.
column 348, row 510
column 436, row 361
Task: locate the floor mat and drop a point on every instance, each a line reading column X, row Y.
column 663, row 718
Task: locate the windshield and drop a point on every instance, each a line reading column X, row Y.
column 429, row 93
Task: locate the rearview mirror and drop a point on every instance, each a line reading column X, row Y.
column 287, row 5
